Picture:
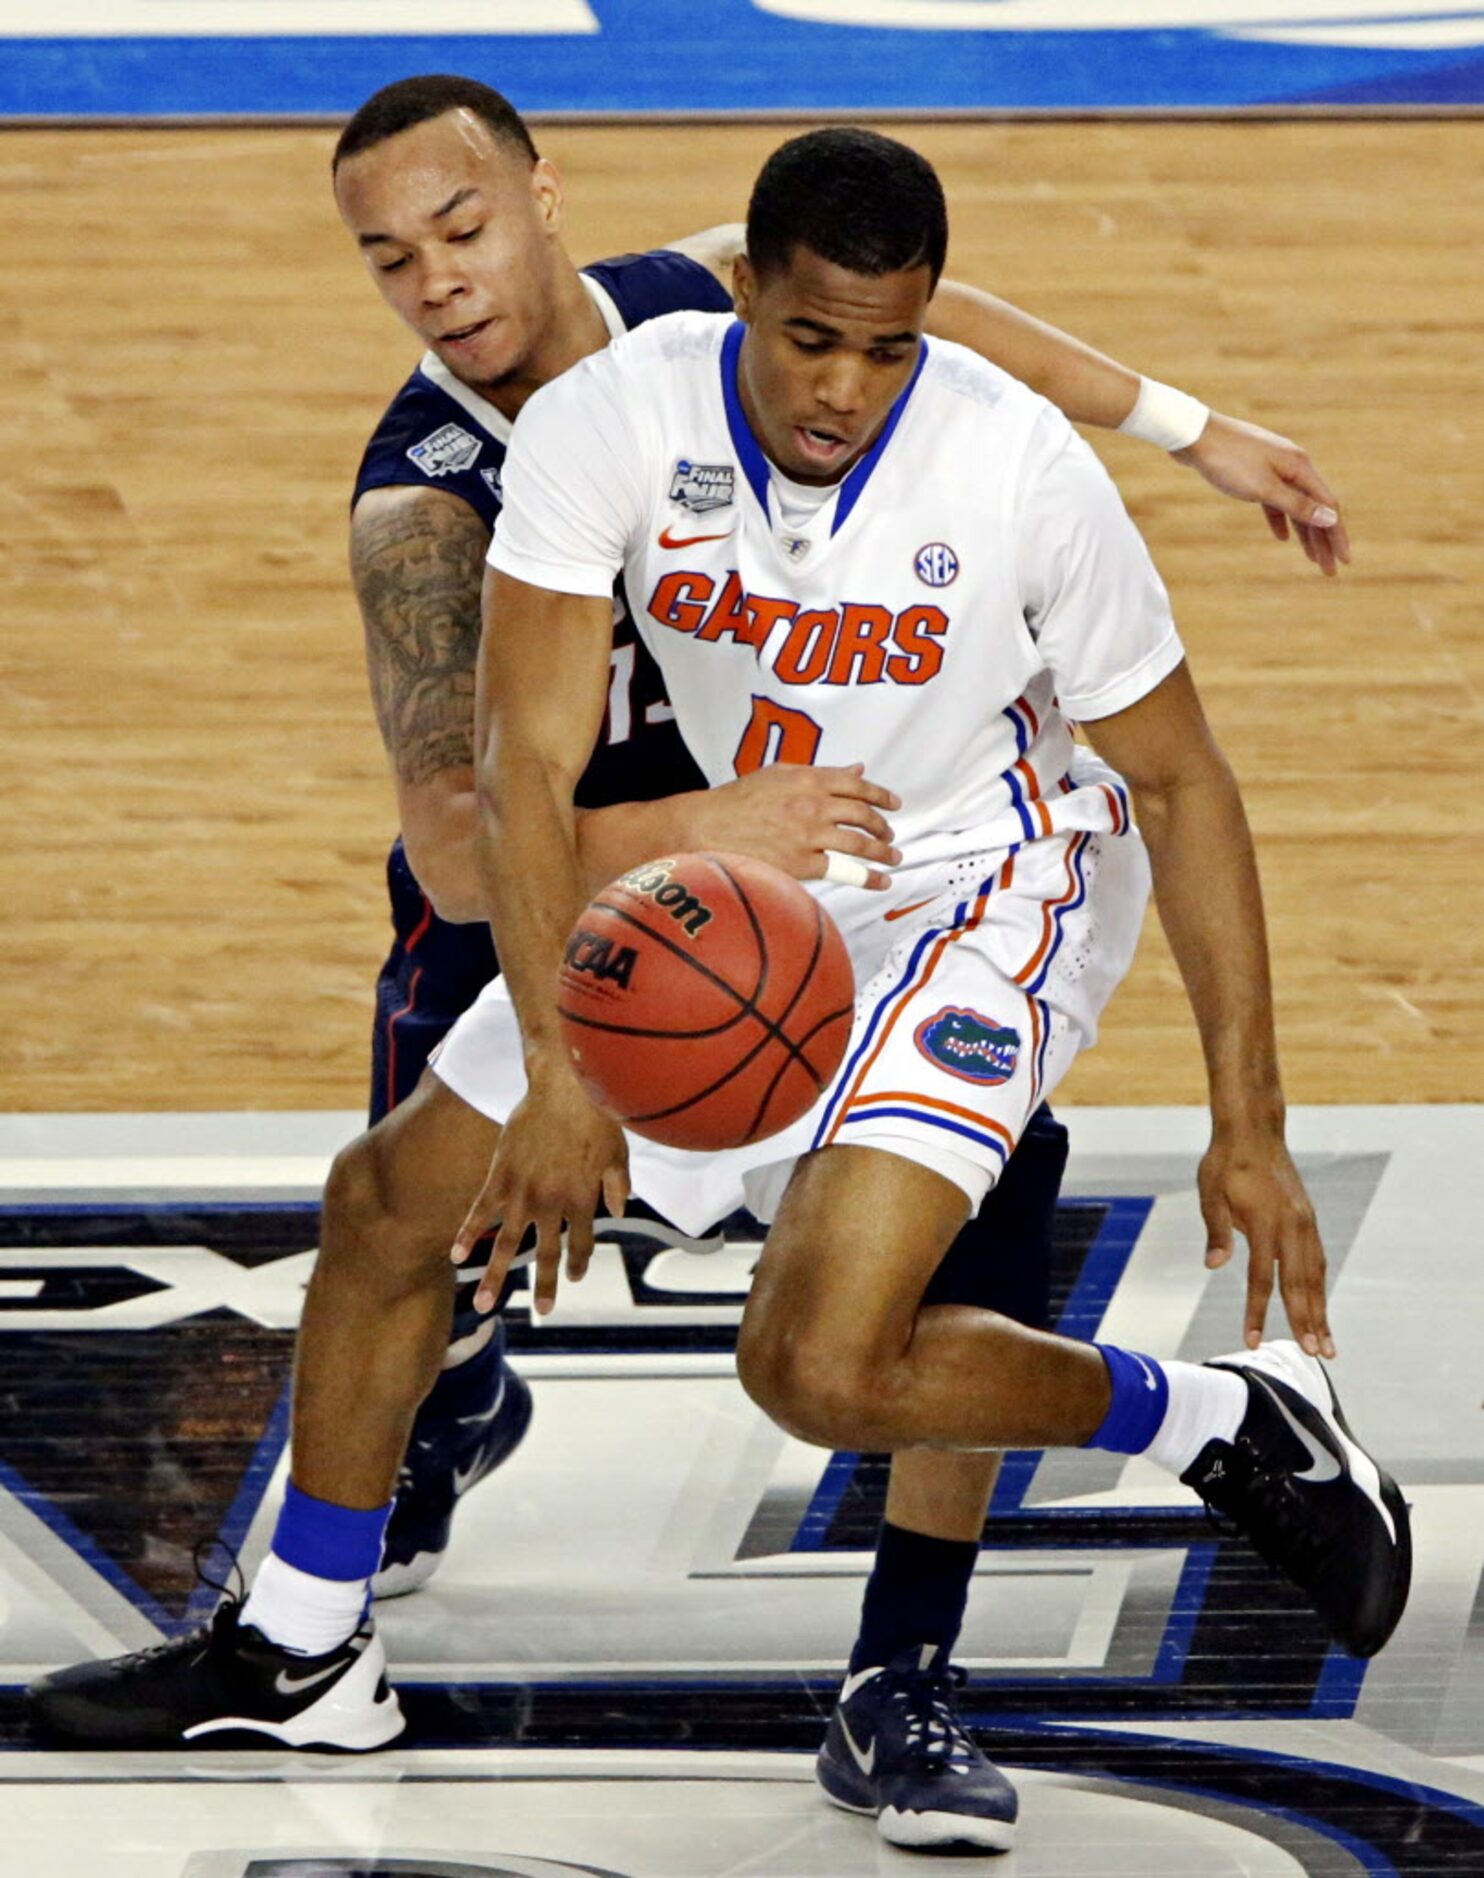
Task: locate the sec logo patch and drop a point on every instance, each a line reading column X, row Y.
column 936, row 565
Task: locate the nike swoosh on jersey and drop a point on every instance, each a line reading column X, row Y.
column 667, row 540
column 864, row 1760
column 286, row 1684
column 912, row 906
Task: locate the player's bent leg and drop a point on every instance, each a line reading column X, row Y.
column 832, row 1351
column 833, row 1345
column 299, row 1663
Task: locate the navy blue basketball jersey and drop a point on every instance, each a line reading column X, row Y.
column 438, row 433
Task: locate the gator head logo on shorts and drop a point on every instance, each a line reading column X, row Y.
column 970, row 1045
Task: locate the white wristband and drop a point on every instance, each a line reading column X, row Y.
column 845, row 870
column 1164, row 416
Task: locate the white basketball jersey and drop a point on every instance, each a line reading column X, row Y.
column 967, row 588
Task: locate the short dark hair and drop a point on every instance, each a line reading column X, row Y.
column 853, row 197
column 397, row 107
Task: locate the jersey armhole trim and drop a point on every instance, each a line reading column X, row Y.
column 606, row 305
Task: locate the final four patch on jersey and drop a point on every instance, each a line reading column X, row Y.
column 969, row 1045
column 448, row 450
column 701, row 487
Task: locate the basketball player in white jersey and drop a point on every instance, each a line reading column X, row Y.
column 891, row 548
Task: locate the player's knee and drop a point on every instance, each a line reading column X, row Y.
column 811, row 1384
column 362, row 1224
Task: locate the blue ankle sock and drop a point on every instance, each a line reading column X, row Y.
column 916, row 1594
column 1141, row 1394
column 329, row 1541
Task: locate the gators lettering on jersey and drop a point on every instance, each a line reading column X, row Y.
column 438, row 433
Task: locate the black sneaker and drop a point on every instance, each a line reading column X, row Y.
column 1309, row 1497
column 896, row 1749
column 224, row 1685
column 453, row 1446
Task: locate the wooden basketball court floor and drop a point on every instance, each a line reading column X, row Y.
column 630, row 1650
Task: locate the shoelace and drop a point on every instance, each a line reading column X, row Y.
column 195, row 1641
column 934, row 1733
column 234, row 1587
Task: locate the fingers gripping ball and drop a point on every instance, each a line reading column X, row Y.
column 706, row 999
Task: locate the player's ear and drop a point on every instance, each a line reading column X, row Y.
column 546, row 189
column 744, row 287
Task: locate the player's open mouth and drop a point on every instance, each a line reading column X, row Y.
column 461, row 335
column 821, row 447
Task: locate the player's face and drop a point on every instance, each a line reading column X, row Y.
column 460, row 234
column 826, row 356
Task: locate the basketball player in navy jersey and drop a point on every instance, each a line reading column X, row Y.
column 459, row 222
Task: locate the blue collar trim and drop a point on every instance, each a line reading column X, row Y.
column 855, row 482
column 749, row 451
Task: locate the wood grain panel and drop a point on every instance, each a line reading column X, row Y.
column 195, row 803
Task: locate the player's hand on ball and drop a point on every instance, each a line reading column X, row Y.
column 1257, row 465
column 793, row 815
column 557, row 1155
column 1248, row 1183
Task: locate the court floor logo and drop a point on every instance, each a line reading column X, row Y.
column 1355, row 23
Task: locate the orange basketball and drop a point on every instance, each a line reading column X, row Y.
column 706, row 999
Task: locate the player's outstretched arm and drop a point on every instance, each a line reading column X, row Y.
column 541, row 687
column 417, row 560
column 1241, row 460
column 1210, row 903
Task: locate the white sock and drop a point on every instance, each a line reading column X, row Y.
column 298, row 1611
column 1205, row 1405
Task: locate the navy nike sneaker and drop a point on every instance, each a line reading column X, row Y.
column 224, row 1685
column 472, row 1420
column 1309, row 1497
column 896, row 1749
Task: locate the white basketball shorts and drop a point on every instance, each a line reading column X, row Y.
column 971, row 1007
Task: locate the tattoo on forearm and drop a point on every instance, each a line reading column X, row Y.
column 418, row 569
